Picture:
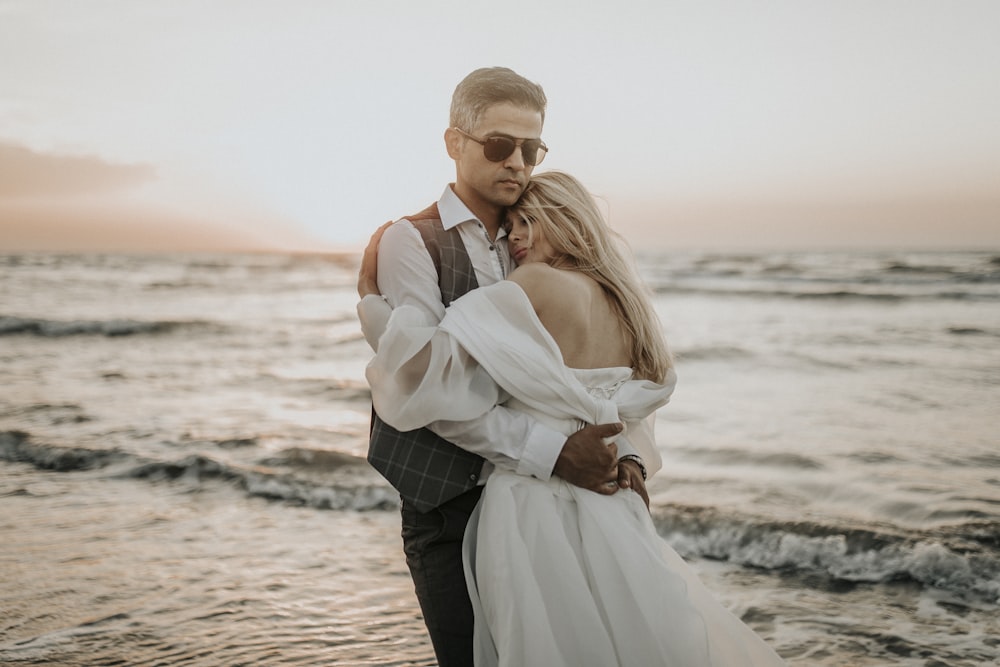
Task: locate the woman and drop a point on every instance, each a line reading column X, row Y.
column 561, row 575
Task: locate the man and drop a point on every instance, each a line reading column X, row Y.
column 428, row 260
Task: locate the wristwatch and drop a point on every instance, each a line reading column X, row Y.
column 635, row 457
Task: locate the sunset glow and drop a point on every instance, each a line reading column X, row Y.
column 306, row 125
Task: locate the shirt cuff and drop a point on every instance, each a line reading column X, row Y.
column 541, row 452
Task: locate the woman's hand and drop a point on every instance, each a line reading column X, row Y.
column 368, row 273
column 630, row 477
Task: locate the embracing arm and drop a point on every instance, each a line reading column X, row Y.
column 397, row 265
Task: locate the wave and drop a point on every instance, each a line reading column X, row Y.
column 972, row 331
column 17, row 446
column 888, row 266
column 32, row 326
column 962, row 560
column 54, row 413
column 961, row 275
column 713, row 352
column 270, row 484
column 852, row 294
column 884, row 277
column 840, row 294
column 739, row 457
column 319, row 479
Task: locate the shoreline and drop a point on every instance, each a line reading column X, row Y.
column 101, row 569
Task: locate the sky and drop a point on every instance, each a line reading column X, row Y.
column 305, row 124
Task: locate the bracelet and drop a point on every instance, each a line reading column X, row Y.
column 633, row 457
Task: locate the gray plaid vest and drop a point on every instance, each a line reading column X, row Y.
column 426, row 469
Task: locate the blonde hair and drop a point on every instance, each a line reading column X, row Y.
column 567, row 216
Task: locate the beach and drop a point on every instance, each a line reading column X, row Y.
column 182, row 471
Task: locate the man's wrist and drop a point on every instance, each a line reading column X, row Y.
column 637, row 460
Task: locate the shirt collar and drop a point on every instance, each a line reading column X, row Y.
column 454, row 212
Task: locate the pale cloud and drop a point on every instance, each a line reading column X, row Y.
column 27, row 173
column 53, row 202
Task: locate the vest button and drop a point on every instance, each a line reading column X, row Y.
column 493, row 247
column 473, row 477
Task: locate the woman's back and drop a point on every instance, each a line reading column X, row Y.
column 577, row 313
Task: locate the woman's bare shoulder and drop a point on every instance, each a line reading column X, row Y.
column 548, row 288
column 538, row 280
column 533, row 273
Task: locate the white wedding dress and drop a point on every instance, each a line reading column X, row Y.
column 558, row 575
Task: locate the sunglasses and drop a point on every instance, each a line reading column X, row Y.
column 499, row 147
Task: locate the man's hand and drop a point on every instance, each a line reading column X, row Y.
column 630, row 477
column 587, row 462
column 368, row 273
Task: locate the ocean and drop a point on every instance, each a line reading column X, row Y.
column 182, row 472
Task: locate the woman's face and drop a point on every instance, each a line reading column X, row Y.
column 527, row 246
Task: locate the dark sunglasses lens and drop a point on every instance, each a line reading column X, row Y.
column 533, row 151
column 498, row 148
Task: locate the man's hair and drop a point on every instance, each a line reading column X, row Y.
column 488, row 86
column 568, row 218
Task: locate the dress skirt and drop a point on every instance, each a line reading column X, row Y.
column 562, row 576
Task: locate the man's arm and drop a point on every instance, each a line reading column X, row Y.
column 583, row 459
column 404, row 272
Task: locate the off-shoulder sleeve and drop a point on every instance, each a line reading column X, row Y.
column 490, row 344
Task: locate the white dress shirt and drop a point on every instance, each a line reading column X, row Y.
column 406, row 275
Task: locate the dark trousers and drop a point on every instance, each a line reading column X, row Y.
column 432, row 542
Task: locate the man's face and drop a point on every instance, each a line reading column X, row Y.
column 488, row 187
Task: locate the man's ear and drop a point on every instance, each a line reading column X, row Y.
column 453, row 142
